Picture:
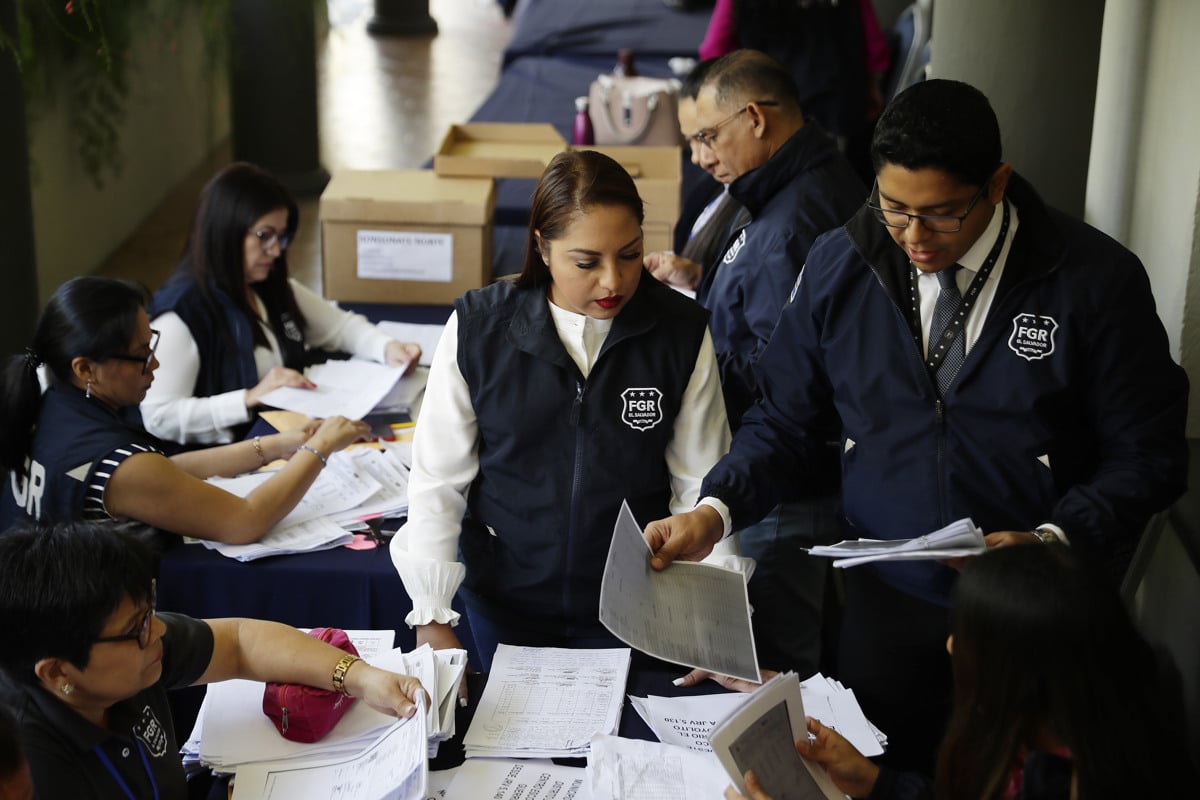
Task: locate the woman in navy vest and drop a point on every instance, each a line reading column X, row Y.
column 551, row 399
column 234, row 326
column 75, row 453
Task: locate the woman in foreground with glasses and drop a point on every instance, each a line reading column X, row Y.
column 86, row 662
column 234, row 325
column 75, row 452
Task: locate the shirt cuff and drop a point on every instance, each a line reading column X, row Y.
column 229, row 408
column 722, row 509
column 430, row 584
column 1059, row 532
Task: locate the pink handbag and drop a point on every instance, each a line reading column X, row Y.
column 305, row 714
column 635, row 111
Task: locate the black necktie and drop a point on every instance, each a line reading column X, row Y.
column 942, row 334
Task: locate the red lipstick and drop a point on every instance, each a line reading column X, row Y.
column 609, row 303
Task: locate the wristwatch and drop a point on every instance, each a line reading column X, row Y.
column 1046, row 536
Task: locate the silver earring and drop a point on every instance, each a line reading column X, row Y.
column 88, row 393
column 67, row 688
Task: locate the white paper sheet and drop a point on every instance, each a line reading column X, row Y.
column 959, row 538
column 629, row 769
column 350, row 388
column 393, row 767
column 761, row 735
column 547, row 701
column 686, row 721
column 507, row 779
column 304, row 537
column 427, row 336
column 405, row 255
column 690, row 613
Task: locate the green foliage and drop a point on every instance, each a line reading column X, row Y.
column 81, row 52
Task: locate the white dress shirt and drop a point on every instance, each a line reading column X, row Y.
column 446, row 458
column 171, row 412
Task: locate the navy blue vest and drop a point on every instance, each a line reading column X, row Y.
column 558, row 453
column 222, row 334
column 73, row 434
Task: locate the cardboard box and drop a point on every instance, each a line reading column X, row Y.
column 658, row 173
column 497, row 150
column 405, row 236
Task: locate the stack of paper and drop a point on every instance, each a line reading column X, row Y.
column 357, row 484
column 232, row 731
column 547, row 702
column 350, row 388
column 961, row 538
column 628, row 769
column 688, row 721
column 508, row 779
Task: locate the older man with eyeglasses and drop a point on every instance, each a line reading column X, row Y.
column 983, row 356
column 749, row 131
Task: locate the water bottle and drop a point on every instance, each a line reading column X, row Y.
column 582, row 133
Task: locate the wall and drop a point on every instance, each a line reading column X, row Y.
column 176, row 113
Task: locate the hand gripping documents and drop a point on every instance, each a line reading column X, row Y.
column 693, row 614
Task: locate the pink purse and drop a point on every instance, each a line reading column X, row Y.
column 305, row 714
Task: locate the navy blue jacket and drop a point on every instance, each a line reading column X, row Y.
column 74, row 435
column 558, row 452
column 805, row 189
column 1083, row 429
column 222, row 333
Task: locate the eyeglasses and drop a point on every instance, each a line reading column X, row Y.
column 143, row 360
column 934, row 223
column 142, row 634
column 707, row 136
column 269, row 237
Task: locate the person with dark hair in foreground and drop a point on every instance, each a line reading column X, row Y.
column 551, row 399
column 75, row 452
column 15, row 780
column 1056, row 696
column 86, row 662
column 982, row 356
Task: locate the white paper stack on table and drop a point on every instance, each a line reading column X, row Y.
column 961, row 538
column 358, row 483
column 351, row 388
column 688, row 721
column 547, row 702
column 630, row 769
column 509, row 779
column 232, row 731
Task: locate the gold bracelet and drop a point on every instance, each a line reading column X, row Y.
column 339, row 673
column 258, row 449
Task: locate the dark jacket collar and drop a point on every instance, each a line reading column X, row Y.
column 807, row 148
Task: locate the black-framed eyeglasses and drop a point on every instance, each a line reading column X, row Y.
column 142, row 634
column 934, row 223
column 269, row 237
column 707, row 136
column 143, row 360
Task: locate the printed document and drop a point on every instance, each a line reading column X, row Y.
column 350, row 388
column 547, row 702
column 690, row 613
column 630, row 769
column 507, row 779
column 761, row 735
column 961, row 538
column 687, row 721
column 393, row 767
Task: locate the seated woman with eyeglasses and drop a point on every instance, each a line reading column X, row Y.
column 234, row 326
column 73, row 452
column 86, row 663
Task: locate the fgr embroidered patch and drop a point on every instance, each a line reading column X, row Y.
column 1033, row 336
column 735, row 248
column 643, row 408
column 151, row 732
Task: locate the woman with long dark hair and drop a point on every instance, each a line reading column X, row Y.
column 1056, row 695
column 234, row 325
column 74, row 451
column 551, row 399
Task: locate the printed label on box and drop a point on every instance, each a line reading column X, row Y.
column 406, row 256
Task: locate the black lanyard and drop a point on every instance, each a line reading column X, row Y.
column 935, row 358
